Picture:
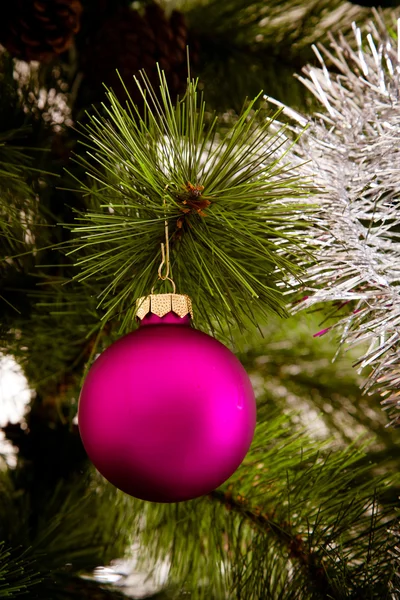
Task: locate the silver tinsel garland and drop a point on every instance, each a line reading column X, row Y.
column 353, row 149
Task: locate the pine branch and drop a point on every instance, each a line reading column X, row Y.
column 64, row 533
column 16, row 195
column 18, row 209
column 294, row 521
column 288, row 27
column 294, row 370
column 17, row 573
column 236, row 226
column 251, row 45
column 230, row 73
column 292, row 542
column 25, row 220
column 64, row 530
column 395, row 584
column 64, row 326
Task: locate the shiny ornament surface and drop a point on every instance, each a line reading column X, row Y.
column 167, row 413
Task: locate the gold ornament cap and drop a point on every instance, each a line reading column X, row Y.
column 162, row 304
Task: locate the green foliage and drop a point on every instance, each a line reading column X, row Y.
column 296, row 371
column 17, row 569
column 17, row 574
column 280, row 24
column 244, row 46
column 229, row 74
column 63, row 326
column 299, row 519
column 24, row 217
column 81, row 524
column 236, row 227
column 65, row 534
column 16, row 195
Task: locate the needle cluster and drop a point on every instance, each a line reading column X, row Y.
column 231, row 200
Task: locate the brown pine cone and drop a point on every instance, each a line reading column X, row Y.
column 129, row 42
column 40, row 29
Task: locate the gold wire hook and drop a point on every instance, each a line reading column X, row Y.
column 160, row 275
column 165, row 255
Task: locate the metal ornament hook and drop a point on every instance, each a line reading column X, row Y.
column 165, row 256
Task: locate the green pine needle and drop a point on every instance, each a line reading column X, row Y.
column 15, row 193
column 298, row 520
column 236, row 227
column 16, row 573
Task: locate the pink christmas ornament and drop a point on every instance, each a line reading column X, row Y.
column 167, row 413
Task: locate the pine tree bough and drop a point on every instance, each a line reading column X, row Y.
column 322, row 529
column 233, row 204
column 298, row 549
column 353, row 152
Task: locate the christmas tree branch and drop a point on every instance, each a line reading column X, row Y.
column 65, row 523
column 16, row 195
column 17, row 573
column 283, row 26
column 295, row 370
column 236, row 226
column 296, row 510
column 295, row 545
column 244, row 46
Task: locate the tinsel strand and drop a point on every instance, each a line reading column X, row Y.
column 353, row 158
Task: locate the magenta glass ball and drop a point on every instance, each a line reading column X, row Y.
column 167, row 413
